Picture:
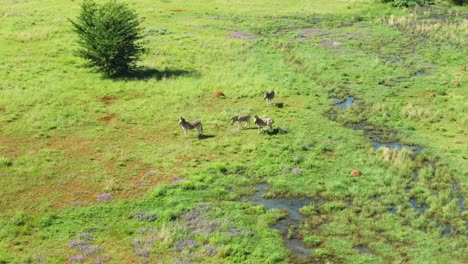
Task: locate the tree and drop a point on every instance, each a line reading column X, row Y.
column 458, row 2
column 109, row 36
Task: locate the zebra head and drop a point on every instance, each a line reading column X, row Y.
column 181, row 120
column 234, row 119
column 269, row 95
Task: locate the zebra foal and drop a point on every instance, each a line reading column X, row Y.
column 191, row 125
column 241, row 118
column 269, row 96
column 261, row 122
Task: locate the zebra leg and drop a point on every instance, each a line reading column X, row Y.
column 185, row 133
column 258, row 129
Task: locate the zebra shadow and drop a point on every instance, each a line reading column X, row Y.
column 277, row 131
column 146, row 73
column 206, row 136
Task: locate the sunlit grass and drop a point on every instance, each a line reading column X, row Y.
column 79, row 153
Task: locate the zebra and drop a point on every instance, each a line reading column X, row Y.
column 269, row 97
column 261, row 122
column 241, row 118
column 191, row 125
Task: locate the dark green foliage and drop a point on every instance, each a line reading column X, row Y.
column 409, row 3
column 109, row 37
column 458, row 2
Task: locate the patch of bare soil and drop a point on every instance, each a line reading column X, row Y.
column 107, row 100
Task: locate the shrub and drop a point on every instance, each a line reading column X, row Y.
column 458, row 2
column 4, row 162
column 409, row 3
column 109, row 36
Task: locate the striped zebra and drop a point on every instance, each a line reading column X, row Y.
column 191, row 125
column 261, row 122
column 269, row 96
column 241, row 118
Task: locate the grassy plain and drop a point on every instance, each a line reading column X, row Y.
column 98, row 170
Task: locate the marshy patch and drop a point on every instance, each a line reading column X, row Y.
column 349, row 102
column 289, row 225
column 243, row 35
column 330, row 43
column 396, row 145
column 418, row 208
column 420, row 74
column 364, row 250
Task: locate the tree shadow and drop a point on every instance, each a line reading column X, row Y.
column 145, row 73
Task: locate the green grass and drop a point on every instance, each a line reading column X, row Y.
column 68, row 137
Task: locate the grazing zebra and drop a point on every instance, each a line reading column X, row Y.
column 261, row 122
column 241, row 118
column 269, row 97
column 191, row 125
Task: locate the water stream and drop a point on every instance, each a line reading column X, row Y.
column 288, row 226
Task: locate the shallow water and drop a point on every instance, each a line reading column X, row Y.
column 420, row 209
column 364, row 250
column 395, row 145
column 420, row 74
column 349, row 102
column 290, row 222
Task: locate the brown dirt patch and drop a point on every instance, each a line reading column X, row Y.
column 218, row 94
column 427, row 94
column 178, row 10
column 355, row 173
column 107, row 118
column 107, row 100
column 457, row 84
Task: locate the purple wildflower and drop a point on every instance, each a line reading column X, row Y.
column 210, row 250
column 101, row 259
column 144, row 230
column 144, row 216
column 185, row 243
column 138, row 243
column 143, row 252
column 76, row 258
column 85, row 236
column 79, row 245
column 93, row 250
column 177, row 180
column 151, row 218
column 105, row 197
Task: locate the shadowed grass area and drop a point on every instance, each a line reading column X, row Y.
column 98, row 170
